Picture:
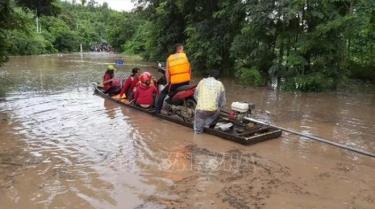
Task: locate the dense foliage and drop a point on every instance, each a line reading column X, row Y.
column 309, row 45
column 62, row 27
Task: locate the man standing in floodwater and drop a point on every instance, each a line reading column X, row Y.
column 178, row 73
column 210, row 96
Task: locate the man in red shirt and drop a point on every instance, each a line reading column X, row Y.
column 130, row 84
column 145, row 91
column 111, row 85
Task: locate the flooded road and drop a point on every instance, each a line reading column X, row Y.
column 63, row 147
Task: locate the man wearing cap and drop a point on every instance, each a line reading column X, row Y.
column 111, row 85
column 210, row 96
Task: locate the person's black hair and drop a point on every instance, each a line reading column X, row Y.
column 135, row 71
column 214, row 73
column 178, row 45
column 206, row 74
column 111, row 73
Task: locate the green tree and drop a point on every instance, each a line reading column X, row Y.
column 14, row 21
column 41, row 7
column 6, row 23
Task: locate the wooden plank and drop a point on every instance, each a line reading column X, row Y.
column 263, row 137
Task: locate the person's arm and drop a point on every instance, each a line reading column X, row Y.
column 167, row 73
column 222, row 99
column 189, row 68
column 167, row 78
column 107, row 79
column 155, row 90
column 136, row 86
column 191, row 75
column 196, row 92
column 136, row 94
column 125, row 87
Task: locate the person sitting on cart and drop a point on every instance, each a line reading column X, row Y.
column 145, row 91
column 130, row 84
column 111, row 85
column 210, row 97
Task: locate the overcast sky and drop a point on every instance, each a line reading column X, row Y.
column 119, row 5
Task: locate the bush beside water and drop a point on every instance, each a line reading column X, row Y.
column 250, row 76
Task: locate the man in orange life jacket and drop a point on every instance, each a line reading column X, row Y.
column 178, row 73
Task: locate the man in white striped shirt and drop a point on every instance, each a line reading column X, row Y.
column 210, row 96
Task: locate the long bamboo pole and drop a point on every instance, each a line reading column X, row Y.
column 319, row 139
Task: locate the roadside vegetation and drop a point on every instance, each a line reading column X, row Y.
column 306, row 45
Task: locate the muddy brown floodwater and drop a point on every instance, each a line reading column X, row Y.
column 63, row 147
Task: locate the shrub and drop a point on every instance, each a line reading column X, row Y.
column 67, row 41
column 314, row 82
column 250, row 76
column 363, row 72
column 24, row 43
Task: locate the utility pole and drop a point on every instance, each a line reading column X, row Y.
column 38, row 26
column 80, row 45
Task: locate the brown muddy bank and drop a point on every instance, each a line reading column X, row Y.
column 63, row 147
